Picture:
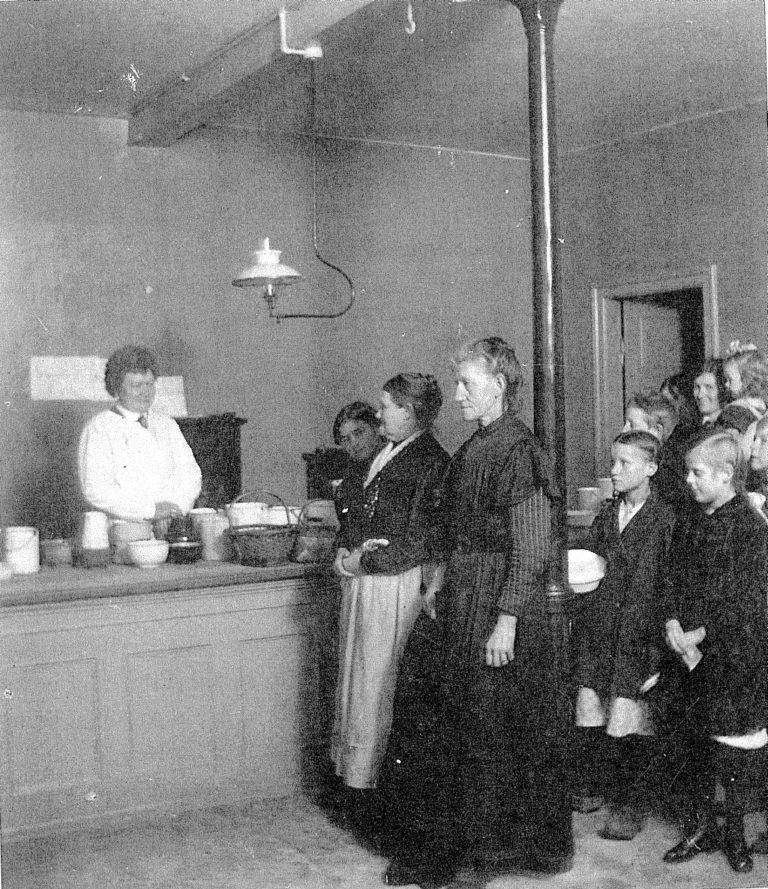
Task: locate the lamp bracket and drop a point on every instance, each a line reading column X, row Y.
column 312, row 50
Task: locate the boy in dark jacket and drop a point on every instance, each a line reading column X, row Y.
column 618, row 641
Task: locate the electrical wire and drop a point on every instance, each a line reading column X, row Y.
column 313, row 117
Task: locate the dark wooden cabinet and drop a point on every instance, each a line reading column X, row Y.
column 215, row 442
column 323, row 466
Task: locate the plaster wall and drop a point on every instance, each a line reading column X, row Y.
column 103, row 244
column 652, row 207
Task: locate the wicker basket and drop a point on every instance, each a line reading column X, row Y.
column 315, row 539
column 263, row 546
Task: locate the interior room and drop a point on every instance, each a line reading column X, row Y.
column 149, row 147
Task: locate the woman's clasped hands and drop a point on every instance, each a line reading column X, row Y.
column 347, row 562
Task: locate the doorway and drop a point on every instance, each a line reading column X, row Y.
column 642, row 333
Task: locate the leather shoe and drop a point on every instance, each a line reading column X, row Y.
column 704, row 839
column 736, row 850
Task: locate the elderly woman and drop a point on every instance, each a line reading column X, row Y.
column 382, row 562
column 491, row 787
column 135, row 464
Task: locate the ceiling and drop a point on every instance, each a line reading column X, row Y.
column 458, row 81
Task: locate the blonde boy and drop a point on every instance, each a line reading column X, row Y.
column 715, row 623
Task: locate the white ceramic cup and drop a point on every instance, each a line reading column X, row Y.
column 95, row 533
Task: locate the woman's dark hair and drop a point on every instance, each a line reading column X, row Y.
column 129, row 359
column 499, row 358
column 643, row 441
column 680, row 389
column 422, row 391
column 357, row 410
column 714, row 366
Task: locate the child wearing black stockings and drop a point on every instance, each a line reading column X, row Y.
column 715, row 620
column 618, row 640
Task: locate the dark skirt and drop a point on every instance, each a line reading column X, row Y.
column 476, row 766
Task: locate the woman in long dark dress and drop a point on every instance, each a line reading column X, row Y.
column 491, row 756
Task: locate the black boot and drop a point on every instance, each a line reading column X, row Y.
column 700, row 831
column 700, row 836
column 628, row 797
column 589, row 763
column 733, row 770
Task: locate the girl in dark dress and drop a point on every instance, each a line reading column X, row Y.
column 618, row 640
column 489, row 747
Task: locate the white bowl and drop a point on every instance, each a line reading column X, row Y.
column 585, row 570
column 147, row 553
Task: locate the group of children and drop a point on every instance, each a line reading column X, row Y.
column 671, row 649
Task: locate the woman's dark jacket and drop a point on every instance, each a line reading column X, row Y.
column 398, row 505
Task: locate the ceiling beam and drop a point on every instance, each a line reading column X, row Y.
column 184, row 104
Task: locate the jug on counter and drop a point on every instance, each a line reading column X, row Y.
column 21, row 546
column 93, row 549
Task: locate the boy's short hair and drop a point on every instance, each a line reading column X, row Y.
column 659, row 410
column 720, row 450
column 643, row 441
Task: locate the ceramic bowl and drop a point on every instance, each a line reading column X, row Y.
column 147, row 553
column 585, row 570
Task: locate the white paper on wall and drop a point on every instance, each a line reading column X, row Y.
column 81, row 378
column 67, row 378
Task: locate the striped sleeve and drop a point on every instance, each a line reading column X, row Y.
column 528, row 553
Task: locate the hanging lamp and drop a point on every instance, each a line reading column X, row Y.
column 266, row 270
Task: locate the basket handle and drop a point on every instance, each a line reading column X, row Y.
column 302, row 515
column 269, row 494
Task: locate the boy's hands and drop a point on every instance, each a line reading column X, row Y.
column 685, row 644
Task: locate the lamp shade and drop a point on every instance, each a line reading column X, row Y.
column 266, row 269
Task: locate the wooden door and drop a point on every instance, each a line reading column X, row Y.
column 652, row 344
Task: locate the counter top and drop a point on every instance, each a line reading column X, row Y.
column 70, row 584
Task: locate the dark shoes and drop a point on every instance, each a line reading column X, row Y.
column 707, row 838
column 622, row 823
column 760, row 846
column 703, row 839
column 426, row 878
column 735, row 847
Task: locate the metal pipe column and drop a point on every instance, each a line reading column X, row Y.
column 539, row 19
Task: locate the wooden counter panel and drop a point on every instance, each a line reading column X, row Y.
column 113, row 705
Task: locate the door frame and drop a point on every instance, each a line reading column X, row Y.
column 606, row 326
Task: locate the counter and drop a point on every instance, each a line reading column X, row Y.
column 127, row 690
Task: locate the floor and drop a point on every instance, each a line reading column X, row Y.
column 292, row 844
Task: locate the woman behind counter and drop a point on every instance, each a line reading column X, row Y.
column 135, row 464
column 387, row 520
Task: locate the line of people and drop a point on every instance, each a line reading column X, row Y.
column 448, row 737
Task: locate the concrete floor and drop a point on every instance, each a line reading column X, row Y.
column 292, row 844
